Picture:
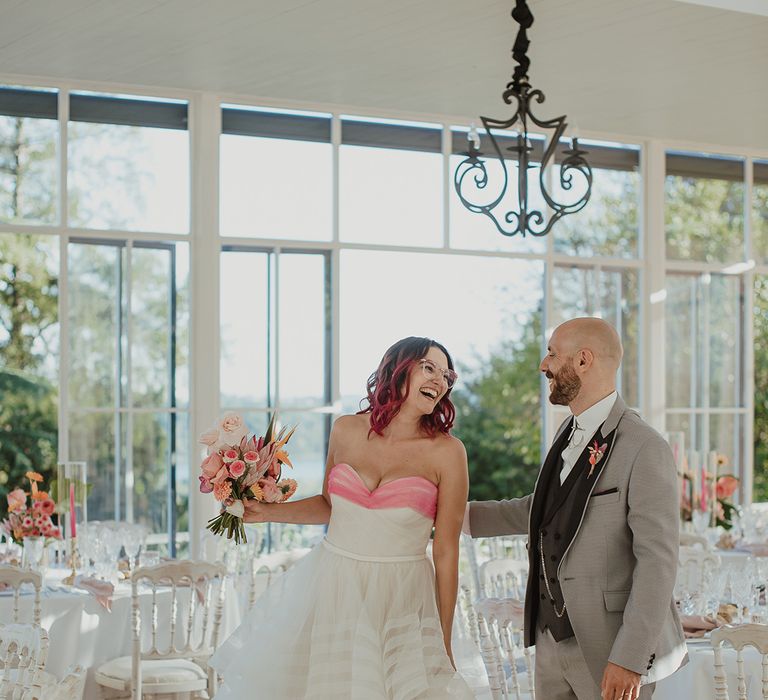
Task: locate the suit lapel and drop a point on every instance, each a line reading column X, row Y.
column 551, row 464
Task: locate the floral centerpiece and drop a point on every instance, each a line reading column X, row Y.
column 708, row 491
column 30, row 519
column 241, row 467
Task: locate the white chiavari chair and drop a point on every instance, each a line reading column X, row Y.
column 689, row 539
column 694, row 567
column 739, row 636
column 23, row 653
column 503, row 578
column 508, row 663
column 196, row 605
column 14, row 577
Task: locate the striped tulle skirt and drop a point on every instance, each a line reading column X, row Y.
column 338, row 627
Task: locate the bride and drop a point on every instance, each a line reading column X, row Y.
column 365, row 615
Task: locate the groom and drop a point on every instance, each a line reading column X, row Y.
column 602, row 527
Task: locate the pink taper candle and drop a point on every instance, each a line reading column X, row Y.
column 73, row 529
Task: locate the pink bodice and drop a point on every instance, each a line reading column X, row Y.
column 415, row 492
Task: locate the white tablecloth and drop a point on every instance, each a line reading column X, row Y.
column 83, row 633
column 695, row 681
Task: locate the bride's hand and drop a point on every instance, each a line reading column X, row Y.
column 255, row 512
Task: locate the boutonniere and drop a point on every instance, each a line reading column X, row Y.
column 595, row 455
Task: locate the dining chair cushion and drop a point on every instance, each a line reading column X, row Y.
column 161, row 675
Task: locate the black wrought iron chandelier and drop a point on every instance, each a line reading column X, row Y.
column 471, row 178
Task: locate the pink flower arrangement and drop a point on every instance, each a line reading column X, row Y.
column 239, row 467
column 33, row 520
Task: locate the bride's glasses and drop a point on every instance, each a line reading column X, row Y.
column 432, row 371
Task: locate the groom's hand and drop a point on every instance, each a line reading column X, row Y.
column 619, row 683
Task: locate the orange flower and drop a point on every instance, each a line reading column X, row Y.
column 282, row 457
column 34, row 476
column 288, row 487
column 39, row 496
column 257, row 492
column 222, row 490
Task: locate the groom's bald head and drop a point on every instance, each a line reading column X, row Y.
column 595, row 335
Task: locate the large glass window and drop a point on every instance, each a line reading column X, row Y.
column 127, row 378
column 390, row 184
column 704, row 350
column 28, row 156
column 276, row 175
column 760, row 446
column 128, row 164
column 609, row 225
column 29, row 349
column 760, row 211
column 704, row 209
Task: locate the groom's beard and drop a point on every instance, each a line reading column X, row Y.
column 566, row 386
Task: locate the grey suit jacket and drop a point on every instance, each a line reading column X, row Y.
column 618, row 575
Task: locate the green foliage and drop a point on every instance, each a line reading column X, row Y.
column 28, row 429
column 499, row 417
column 760, row 320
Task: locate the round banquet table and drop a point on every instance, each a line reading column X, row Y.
column 83, row 633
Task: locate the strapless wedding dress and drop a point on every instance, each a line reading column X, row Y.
column 355, row 619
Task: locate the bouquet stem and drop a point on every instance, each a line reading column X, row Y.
column 232, row 525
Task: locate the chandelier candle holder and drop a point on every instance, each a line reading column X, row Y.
column 71, row 497
column 472, row 180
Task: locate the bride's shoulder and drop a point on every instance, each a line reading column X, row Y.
column 351, row 423
column 451, row 449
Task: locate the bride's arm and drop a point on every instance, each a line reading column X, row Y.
column 314, row 510
column 451, row 502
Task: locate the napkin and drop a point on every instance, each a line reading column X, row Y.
column 698, row 625
column 101, row 590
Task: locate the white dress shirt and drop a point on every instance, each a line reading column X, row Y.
column 586, row 425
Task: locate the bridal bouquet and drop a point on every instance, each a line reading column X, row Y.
column 241, row 467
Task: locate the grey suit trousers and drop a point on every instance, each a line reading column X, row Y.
column 563, row 674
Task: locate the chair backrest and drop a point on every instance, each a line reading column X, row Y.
column 739, row 636
column 500, row 631
column 694, row 565
column 71, row 687
column 688, row 539
column 503, row 578
column 196, row 588
column 14, row 577
column 23, row 653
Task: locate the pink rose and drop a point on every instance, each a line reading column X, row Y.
column 221, row 477
column 237, row 468
column 229, row 455
column 272, row 492
column 232, row 429
column 47, row 506
column 212, row 464
column 726, row 486
column 205, row 484
column 17, row 499
column 251, row 457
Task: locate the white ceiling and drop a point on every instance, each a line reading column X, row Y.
column 660, row 68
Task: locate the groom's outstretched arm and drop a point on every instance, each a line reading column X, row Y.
column 653, row 518
column 494, row 518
